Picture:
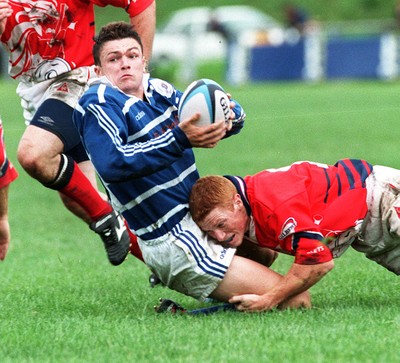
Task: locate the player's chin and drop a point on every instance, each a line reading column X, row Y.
column 234, row 242
column 128, row 85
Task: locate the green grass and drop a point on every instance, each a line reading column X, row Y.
column 60, row 300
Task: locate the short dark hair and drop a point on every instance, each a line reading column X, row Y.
column 113, row 31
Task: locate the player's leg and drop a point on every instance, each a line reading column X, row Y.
column 188, row 261
column 7, row 175
column 245, row 276
column 43, row 152
column 87, row 168
column 247, row 249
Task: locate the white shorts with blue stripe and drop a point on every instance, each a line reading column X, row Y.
column 187, row 260
column 379, row 239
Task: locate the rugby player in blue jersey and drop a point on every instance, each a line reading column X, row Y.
column 143, row 154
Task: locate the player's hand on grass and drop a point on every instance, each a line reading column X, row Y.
column 204, row 136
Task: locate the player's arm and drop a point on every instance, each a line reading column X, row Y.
column 209, row 136
column 204, row 136
column 313, row 260
column 5, row 12
column 299, row 279
column 144, row 24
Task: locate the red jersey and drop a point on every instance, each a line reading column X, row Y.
column 297, row 208
column 7, row 171
column 45, row 38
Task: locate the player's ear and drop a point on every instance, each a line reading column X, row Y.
column 237, row 200
column 98, row 71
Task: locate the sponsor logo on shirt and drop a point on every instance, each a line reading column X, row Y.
column 315, row 250
column 140, row 115
column 288, row 228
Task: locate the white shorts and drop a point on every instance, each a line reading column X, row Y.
column 186, row 260
column 379, row 237
column 67, row 88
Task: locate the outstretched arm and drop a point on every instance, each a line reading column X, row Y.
column 145, row 25
column 299, row 279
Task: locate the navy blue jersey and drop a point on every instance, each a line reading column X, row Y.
column 145, row 162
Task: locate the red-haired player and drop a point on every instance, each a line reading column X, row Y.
column 309, row 210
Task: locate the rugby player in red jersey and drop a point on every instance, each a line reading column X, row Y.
column 49, row 43
column 309, row 210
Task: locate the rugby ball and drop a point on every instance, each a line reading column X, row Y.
column 207, row 98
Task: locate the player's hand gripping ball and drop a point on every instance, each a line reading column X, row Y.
column 207, row 98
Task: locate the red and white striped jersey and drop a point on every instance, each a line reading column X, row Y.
column 47, row 38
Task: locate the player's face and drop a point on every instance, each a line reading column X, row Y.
column 123, row 64
column 227, row 226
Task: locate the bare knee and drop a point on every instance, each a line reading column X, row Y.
column 245, row 276
column 40, row 163
column 28, row 158
column 36, row 164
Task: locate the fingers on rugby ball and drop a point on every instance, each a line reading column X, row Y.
column 207, row 98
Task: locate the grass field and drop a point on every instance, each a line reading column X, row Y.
column 61, row 301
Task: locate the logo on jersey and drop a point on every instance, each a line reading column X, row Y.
column 63, row 88
column 39, row 36
column 223, row 254
column 288, row 228
column 318, row 219
column 140, row 115
column 316, row 250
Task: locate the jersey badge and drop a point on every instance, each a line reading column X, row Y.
column 288, row 228
column 63, row 88
column 318, row 219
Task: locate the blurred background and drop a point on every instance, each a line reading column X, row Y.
column 238, row 42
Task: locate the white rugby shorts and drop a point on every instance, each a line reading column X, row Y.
column 67, row 88
column 187, row 260
column 379, row 238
